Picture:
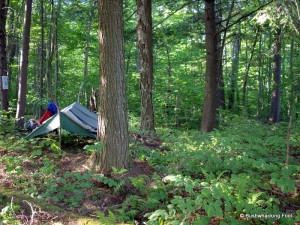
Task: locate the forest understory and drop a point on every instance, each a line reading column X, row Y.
column 241, row 173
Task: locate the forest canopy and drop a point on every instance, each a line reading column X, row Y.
column 63, row 56
column 195, row 107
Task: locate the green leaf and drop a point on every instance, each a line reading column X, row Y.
column 157, row 214
column 175, row 222
column 206, row 192
column 62, row 180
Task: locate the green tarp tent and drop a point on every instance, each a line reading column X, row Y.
column 74, row 118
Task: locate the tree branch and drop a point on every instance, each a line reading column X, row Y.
column 244, row 16
column 172, row 13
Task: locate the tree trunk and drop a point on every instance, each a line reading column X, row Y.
column 50, row 51
column 275, row 103
column 292, row 112
column 24, row 66
column 220, row 50
column 169, row 80
column 144, row 33
column 236, row 46
column 245, row 105
column 209, row 122
column 55, row 47
column 112, row 125
column 42, row 51
column 260, row 83
column 86, row 53
column 3, row 58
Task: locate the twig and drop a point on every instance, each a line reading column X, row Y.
column 11, row 205
column 32, row 210
column 244, row 16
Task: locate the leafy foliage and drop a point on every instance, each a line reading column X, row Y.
column 226, row 176
column 235, row 171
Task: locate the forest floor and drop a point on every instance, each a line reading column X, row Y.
column 36, row 211
column 223, row 177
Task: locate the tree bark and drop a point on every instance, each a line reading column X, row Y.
column 3, row 58
column 260, row 83
column 209, row 122
column 50, row 50
column 55, row 48
column 86, row 52
column 112, row 125
column 42, row 56
column 275, row 103
column 236, row 46
column 24, row 66
column 220, row 50
column 245, row 82
column 169, row 83
column 144, row 33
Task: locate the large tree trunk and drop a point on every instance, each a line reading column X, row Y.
column 208, row 122
column 144, row 33
column 24, row 66
column 112, row 125
column 3, row 58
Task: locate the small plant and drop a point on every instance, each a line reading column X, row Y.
column 69, row 188
column 110, row 219
column 7, row 214
column 7, row 123
column 96, row 147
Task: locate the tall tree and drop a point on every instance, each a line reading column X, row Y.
column 112, row 125
column 87, row 49
column 275, row 103
column 3, row 58
column 24, row 65
column 42, row 58
column 50, row 50
column 144, row 34
column 235, row 53
column 246, row 76
column 55, row 48
column 209, row 122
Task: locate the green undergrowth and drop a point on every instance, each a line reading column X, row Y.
column 238, row 174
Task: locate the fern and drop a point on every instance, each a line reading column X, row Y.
column 110, row 219
column 119, row 186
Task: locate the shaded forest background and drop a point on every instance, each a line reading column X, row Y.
column 229, row 68
column 63, row 56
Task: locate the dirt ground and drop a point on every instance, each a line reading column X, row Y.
column 35, row 211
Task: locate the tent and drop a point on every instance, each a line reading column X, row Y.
column 74, row 118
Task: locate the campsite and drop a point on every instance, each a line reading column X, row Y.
column 149, row 112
